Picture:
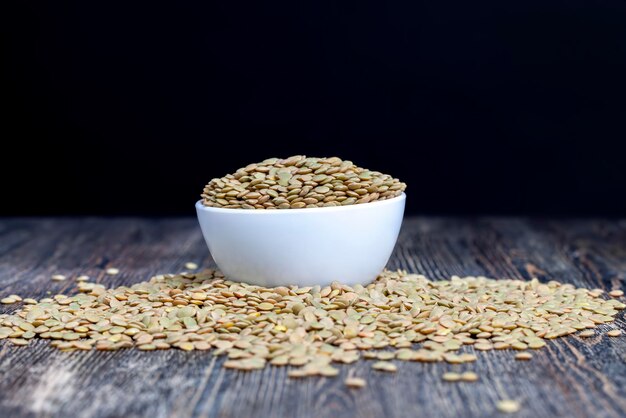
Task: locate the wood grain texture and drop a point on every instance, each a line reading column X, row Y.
column 569, row 378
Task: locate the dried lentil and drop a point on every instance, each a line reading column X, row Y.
column 313, row 327
column 523, row 356
column 508, row 406
column 299, row 182
column 355, row 382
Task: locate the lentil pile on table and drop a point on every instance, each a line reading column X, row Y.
column 299, row 182
column 399, row 316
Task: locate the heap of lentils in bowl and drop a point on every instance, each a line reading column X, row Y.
column 300, row 182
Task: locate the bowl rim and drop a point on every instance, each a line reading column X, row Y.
column 261, row 212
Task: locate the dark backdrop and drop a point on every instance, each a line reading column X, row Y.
column 481, row 107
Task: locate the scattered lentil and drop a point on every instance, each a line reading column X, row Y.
column 523, row 356
column 508, row 406
column 616, row 293
column 191, row 266
column 384, row 366
column 112, row 271
column 58, row 277
column 614, row 333
column 312, row 327
column 451, row 377
column 469, row 377
column 355, row 382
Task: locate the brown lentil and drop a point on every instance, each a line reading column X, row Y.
column 399, row 316
column 300, row 182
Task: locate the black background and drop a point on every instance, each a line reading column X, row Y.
column 482, row 108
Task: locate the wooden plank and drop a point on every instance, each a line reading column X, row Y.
column 570, row 378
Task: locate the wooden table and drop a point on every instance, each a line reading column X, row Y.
column 569, row 378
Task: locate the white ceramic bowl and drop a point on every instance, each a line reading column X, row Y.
column 349, row 244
